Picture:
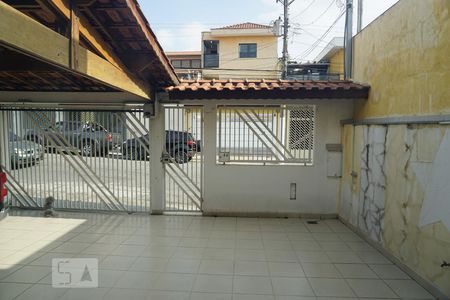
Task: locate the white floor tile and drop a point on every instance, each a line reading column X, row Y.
column 371, row 288
column 291, row 286
column 9, row 291
column 283, row 269
column 216, row 267
column 213, row 284
column 252, row 285
column 251, row 268
column 329, row 287
column 320, row 270
column 389, row 272
column 356, row 271
column 409, row 289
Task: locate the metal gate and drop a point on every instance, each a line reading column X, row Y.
column 183, row 158
column 85, row 160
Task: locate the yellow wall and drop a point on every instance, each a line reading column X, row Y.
column 337, row 63
column 267, row 58
column 404, row 55
column 420, row 248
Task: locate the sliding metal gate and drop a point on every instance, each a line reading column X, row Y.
column 86, row 160
column 183, row 158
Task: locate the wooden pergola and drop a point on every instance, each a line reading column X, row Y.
column 80, row 46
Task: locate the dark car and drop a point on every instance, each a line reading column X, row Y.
column 181, row 146
column 89, row 138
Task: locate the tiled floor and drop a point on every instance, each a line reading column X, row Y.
column 181, row 257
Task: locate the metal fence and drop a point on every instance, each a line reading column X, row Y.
column 88, row 160
column 261, row 135
column 183, row 158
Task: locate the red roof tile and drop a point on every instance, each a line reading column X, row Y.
column 267, row 89
column 246, row 25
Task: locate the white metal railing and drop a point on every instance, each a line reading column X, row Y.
column 265, row 134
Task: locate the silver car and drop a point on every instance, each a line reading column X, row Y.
column 24, row 153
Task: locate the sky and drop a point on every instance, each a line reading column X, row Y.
column 178, row 23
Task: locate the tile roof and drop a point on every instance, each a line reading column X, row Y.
column 246, row 25
column 267, row 89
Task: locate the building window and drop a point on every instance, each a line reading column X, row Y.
column 176, row 63
column 185, row 64
column 281, row 134
column 196, row 63
column 211, row 54
column 247, row 50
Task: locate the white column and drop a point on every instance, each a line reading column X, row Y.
column 157, row 143
column 209, row 149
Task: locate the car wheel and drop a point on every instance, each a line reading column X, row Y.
column 87, row 149
column 181, row 157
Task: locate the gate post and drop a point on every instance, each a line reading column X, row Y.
column 5, row 158
column 209, row 151
column 157, row 143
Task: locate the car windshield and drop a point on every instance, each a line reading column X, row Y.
column 13, row 137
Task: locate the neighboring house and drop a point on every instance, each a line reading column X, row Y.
column 311, row 71
column 241, row 51
column 187, row 64
column 333, row 56
column 328, row 65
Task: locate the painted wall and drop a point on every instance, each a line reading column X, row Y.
column 337, row 63
column 399, row 194
column 404, row 56
column 266, row 189
column 264, row 66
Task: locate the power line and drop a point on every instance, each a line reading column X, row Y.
column 322, row 14
column 319, row 40
column 303, row 11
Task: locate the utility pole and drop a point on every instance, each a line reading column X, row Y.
column 360, row 15
column 348, row 43
column 286, row 4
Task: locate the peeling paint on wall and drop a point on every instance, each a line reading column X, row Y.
column 435, row 179
column 391, row 199
column 373, row 181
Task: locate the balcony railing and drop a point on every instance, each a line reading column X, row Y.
column 314, row 77
column 211, row 60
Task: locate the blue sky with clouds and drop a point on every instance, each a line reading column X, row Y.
column 178, row 23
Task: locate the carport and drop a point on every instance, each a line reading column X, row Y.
column 75, row 76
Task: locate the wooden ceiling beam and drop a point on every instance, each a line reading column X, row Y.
column 90, row 34
column 23, row 34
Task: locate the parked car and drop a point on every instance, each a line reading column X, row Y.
column 24, row 152
column 180, row 145
column 89, row 138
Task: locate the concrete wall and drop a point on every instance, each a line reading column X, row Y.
column 404, row 56
column 265, row 65
column 398, row 196
column 250, row 189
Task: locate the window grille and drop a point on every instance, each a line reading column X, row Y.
column 266, row 135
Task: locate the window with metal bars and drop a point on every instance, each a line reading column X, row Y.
column 266, row 134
